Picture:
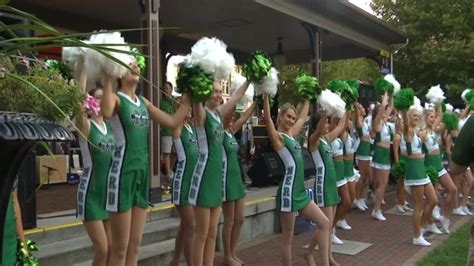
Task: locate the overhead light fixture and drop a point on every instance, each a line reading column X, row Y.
column 279, row 58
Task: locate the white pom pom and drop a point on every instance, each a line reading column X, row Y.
column 95, row 61
column 237, row 81
column 435, row 95
column 269, row 84
column 212, row 56
column 464, row 93
column 396, row 85
column 332, row 103
column 449, row 108
column 417, row 104
column 72, row 56
column 429, row 106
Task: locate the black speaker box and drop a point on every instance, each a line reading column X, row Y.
column 267, row 170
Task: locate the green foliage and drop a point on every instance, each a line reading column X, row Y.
column 404, row 99
column 441, row 46
column 453, row 251
column 363, row 69
column 30, row 92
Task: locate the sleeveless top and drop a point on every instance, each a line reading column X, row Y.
column 206, row 185
column 130, row 127
column 431, row 142
column 96, row 154
column 187, row 152
column 233, row 187
column 364, row 130
column 337, row 147
column 291, row 195
column 349, row 145
column 403, row 144
column 415, row 145
column 385, row 134
column 322, row 157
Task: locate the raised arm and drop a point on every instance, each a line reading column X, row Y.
column 406, row 127
column 315, row 137
column 378, row 120
column 275, row 137
column 19, row 224
column 358, row 119
column 166, row 120
column 295, row 130
column 437, row 125
column 110, row 102
column 389, row 109
column 229, row 106
column 82, row 123
column 332, row 135
column 241, row 121
column 199, row 114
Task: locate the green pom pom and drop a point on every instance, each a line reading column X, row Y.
column 470, row 95
column 404, row 99
column 471, row 104
column 382, row 86
column 58, row 67
column 307, row 87
column 196, row 82
column 432, row 174
column 141, row 62
column 257, row 67
column 443, row 106
column 450, row 121
column 259, row 100
column 348, row 93
column 399, row 169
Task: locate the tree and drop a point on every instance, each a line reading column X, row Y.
column 441, row 46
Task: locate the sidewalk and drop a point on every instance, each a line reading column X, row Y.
column 391, row 241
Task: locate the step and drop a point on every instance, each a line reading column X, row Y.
column 154, row 254
column 49, row 230
column 79, row 249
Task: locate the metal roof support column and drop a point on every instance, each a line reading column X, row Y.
column 314, row 37
column 151, row 42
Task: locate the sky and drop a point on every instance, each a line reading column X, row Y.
column 364, row 4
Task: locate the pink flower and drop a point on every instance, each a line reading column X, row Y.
column 92, row 105
column 25, row 61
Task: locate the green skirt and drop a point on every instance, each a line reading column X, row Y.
column 363, row 151
column 340, row 179
column 435, row 161
column 381, row 159
column 8, row 256
column 416, row 173
column 349, row 170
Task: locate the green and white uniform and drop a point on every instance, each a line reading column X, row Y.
column 363, row 150
column 349, row 149
column 128, row 175
column 381, row 159
column 291, row 195
column 233, row 187
column 8, row 254
column 337, row 150
column 415, row 172
column 206, row 184
column 435, row 160
column 187, row 150
column 97, row 157
column 325, row 183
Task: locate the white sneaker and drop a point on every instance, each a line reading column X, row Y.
column 343, row 225
column 445, row 222
column 434, row 229
column 359, row 203
column 364, row 202
column 399, row 208
column 336, row 240
column 436, row 214
column 383, row 202
column 459, row 211
column 378, row 215
column 466, row 210
column 406, row 208
column 407, row 203
column 420, row 241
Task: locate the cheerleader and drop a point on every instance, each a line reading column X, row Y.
column 185, row 143
column 97, row 145
column 325, row 187
column 433, row 159
column 363, row 156
column 381, row 160
column 400, row 156
column 206, row 190
column 128, row 179
column 416, row 179
column 291, row 196
column 234, row 190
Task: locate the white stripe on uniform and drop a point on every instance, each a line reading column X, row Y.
column 113, row 179
column 287, row 187
column 200, row 165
